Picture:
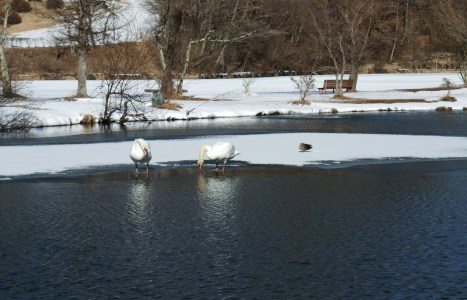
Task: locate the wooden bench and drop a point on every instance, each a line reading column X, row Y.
column 331, row 84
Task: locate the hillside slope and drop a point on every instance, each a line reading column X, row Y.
column 31, row 20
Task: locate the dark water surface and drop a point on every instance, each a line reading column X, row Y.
column 386, row 231
column 390, row 231
column 413, row 123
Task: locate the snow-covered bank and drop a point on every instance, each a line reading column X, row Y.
column 268, row 96
column 267, row 149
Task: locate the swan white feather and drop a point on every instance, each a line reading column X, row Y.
column 141, row 153
column 220, row 151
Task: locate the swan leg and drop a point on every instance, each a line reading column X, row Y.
column 217, row 167
column 225, row 162
column 136, row 171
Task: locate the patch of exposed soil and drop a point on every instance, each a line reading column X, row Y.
column 32, row 20
column 440, row 88
column 169, row 106
column 191, row 98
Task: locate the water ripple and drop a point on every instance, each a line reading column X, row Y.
column 395, row 231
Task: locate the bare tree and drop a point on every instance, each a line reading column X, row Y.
column 168, row 17
column 122, row 87
column 327, row 22
column 344, row 29
column 247, row 83
column 449, row 85
column 13, row 118
column 210, row 26
column 304, row 85
column 7, row 90
column 357, row 19
column 450, row 27
column 16, row 114
column 400, row 20
column 84, row 22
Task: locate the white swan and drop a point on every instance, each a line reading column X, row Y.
column 141, row 153
column 220, row 151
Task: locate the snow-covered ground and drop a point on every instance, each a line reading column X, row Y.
column 268, row 149
column 268, row 95
column 271, row 95
column 227, row 98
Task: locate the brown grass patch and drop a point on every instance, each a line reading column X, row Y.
column 448, row 99
column 190, row 98
column 431, row 89
column 444, row 108
column 70, row 98
column 341, row 98
column 33, row 19
column 301, row 102
column 88, row 120
column 60, row 62
column 169, row 106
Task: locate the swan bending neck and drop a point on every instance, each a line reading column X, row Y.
column 202, row 151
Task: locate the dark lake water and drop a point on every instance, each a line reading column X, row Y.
column 429, row 123
column 386, row 231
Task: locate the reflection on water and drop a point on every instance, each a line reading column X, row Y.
column 394, row 231
column 217, row 195
column 139, row 197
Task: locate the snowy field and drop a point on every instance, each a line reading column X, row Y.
column 268, row 95
column 227, row 98
column 282, row 149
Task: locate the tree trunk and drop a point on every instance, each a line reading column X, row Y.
column 463, row 71
column 106, row 117
column 339, row 78
column 394, row 42
column 340, row 72
column 82, row 90
column 185, row 68
column 123, row 118
column 170, row 54
column 166, row 81
column 7, row 91
column 166, row 85
column 406, row 22
column 354, row 75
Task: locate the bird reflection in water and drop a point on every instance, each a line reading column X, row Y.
column 139, row 197
column 218, row 200
column 217, row 195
